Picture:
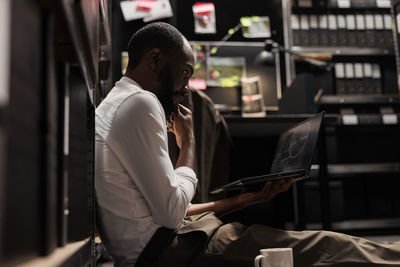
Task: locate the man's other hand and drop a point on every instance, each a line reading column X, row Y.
column 268, row 192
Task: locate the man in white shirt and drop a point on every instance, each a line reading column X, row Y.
column 140, row 194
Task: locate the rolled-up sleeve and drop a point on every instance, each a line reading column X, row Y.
column 139, row 140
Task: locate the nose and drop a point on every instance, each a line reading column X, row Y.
column 185, row 90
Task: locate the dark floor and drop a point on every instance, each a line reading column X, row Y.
column 387, row 238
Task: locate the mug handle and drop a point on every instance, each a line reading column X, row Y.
column 257, row 260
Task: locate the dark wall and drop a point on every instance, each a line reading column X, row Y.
column 228, row 14
column 121, row 32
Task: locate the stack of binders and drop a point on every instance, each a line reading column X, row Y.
column 323, row 30
column 370, row 30
column 314, row 32
column 342, row 30
column 361, row 29
column 332, row 33
column 342, row 3
column 304, row 30
column 351, row 30
column 359, row 3
column 295, row 24
column 358, row 78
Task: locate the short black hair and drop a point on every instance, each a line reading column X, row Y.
column 154, row 35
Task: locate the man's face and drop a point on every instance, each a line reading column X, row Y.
column 174, row 77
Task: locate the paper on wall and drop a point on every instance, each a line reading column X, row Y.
column 131, row 12
column 161, row 9
column 204, row 18
column 146, row 5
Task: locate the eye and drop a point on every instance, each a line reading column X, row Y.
column 186, row 74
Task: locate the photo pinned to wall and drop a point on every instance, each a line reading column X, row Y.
column 255, row 27
column 225, row 71
column 136, row 9
column 161, row 10
column 252, row 97
column 148, row 10
column 199, row 78
column 204, row 18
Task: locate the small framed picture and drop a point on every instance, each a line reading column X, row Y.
column 255, row 27
column 252, row 97
column 204, row 18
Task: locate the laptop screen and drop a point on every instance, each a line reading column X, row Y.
column 296, row 146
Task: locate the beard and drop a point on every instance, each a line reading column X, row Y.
column 166, row 96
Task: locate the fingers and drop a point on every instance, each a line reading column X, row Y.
column 285, row 184
column 182, row 124
column 267, row 187
column 183, row 110
column 185, row 115
column 289, row 182
column 270, row 190
column 170, row 123
column 281, row 185
column 284, row 187
column 276, row 185
column 170, row 128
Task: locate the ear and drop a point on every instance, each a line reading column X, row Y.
column 153, row 58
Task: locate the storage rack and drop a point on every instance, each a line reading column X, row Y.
column 359, row 110
column 47, row 131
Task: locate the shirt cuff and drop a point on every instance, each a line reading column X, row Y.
column 187, row 172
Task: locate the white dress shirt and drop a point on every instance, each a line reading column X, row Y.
column 137, row 188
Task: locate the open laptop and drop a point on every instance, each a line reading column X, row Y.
column 292, row 159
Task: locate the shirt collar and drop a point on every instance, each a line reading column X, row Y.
column 129, row 82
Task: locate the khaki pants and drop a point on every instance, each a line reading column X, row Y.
column 204, row 241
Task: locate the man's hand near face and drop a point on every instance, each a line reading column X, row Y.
column 181, row 124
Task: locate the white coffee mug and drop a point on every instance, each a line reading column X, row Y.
column 274, row 257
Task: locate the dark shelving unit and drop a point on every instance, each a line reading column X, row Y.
column 349, row 170
column 47, row 189
column 359, row 116
column 343, row 51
